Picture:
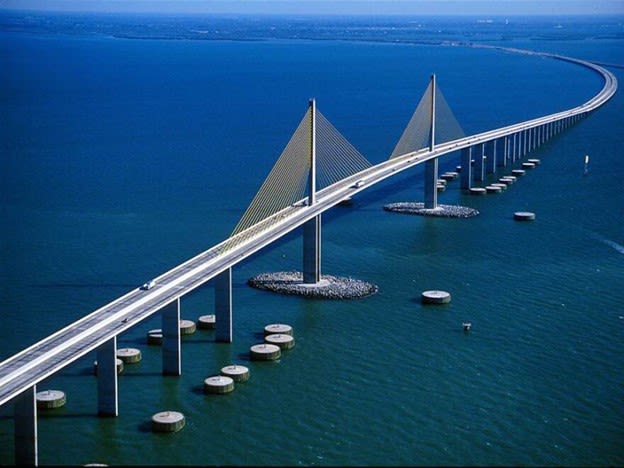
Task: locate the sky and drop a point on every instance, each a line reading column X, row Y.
column 342, row 7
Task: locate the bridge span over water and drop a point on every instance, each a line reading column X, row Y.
column 263, row 223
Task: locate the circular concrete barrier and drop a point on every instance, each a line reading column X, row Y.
column 129, row 355
column 118, row 363
column 168, row 421
column 281, row 328
column 49, row 399
column 187, row 327
column 524, row 216
column 435, row 297
column 477, row 191
column 285, row 342
column 155, row 337
column 236, row 372
column 265, row 352
column 219, row 384
column 207, row 322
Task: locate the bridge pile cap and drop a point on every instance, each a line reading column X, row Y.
column 518, row 172
column 48, row 399
column 449, row 175
column 265, row 352
column 534, row 161
column 435, row 297
column 507, row 180
column 218, row 384
column 207, row 321
column 187, row 327
column 524, row 216
column 118, row 362
column 168, row 421
column 129, row 355
column 477, row 191
column 281, row 328
column 492, row 189
column 500, row 185
column 528, row 165
column 284, row 341
column 236, row 372
column 155, row 337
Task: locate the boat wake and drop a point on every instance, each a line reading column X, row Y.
column 610, row 243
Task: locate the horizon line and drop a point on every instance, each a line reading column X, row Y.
column 326, row 7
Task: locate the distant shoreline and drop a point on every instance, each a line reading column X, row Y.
column 412, row 29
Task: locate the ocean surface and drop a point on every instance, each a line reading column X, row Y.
column 129, row 144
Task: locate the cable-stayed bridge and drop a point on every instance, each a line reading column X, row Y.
column 317, row 170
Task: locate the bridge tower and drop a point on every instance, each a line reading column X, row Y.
column 431, row 123
column 312, row 228
column 431, row 166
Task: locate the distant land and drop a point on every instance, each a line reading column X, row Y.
column 395, row 29
column 325, row 7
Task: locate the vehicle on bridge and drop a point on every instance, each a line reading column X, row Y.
column 149, row 285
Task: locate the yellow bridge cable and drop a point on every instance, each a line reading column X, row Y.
column 417, row 133
column 288, row 181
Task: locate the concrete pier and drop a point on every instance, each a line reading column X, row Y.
column 223, row 306
column 25, row 418
column 479, row 165
column 171, row 348
column 107, row 388
column 490, row 152
column 466, row 168
column 312, row 251
column 431, row 182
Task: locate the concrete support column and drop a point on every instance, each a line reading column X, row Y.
column 479, row 167
column 171, row 348
column 107, row 388
column 466, row 168
column 223, row 306
column 514, row 148
column 25, row 421
column 312, row 250
column 431, row 183
column 547, row 129
column 490, row 151
column 524, row 143
column 505, row 151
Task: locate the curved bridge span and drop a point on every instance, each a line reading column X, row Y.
column 20, row 374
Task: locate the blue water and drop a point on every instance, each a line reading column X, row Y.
column 123, row 157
